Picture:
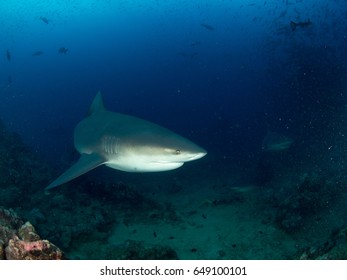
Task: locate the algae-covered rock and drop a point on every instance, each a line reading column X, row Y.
column 20, row 241
column 27, row 233
column 36, row 250
column 2, row 250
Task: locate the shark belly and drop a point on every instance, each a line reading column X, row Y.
column 133, row 164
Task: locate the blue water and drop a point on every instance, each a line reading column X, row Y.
column 205, row 69
column 152, row 59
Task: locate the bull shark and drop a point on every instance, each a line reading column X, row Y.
column 125, row 143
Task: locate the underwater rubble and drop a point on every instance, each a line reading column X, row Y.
column 309, row 197
column 20, row 241
column 334, row 248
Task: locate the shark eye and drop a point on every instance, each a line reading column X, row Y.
column 177, row 152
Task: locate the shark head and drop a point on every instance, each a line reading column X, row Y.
column 149, row 151
column 126, row 143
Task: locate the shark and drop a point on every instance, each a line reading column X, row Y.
column 275, row 142
column 125, row 143
column 302, row 24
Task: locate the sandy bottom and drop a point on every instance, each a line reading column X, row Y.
column 207, row 228
column 215, row 218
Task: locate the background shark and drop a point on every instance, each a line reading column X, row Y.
column 302, row 24
column 126, row 143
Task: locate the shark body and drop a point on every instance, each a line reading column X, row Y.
column 126, row 143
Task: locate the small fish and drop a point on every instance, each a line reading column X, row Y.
column 302, row 24
column 37, row 53
column 8, row 55
column 45, row 20
column 63, row 50
column 208, row 27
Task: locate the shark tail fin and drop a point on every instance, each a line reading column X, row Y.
column 97, row 104
column 293, row 25
column 83, row 165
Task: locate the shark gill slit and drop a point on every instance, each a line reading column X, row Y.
column 110, row 144
column 113, row 145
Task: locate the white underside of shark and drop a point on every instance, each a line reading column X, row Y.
column 126, row 143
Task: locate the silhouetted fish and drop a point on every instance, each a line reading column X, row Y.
column 63, row 50
column 209, row 27
column 45, row 20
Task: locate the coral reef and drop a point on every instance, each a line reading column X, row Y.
column 19, row 241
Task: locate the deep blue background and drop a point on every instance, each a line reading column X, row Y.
column 155, row 60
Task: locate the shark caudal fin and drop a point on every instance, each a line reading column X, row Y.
column 83, row 165
column 293, row 25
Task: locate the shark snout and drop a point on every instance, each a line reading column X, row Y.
column 199, row 153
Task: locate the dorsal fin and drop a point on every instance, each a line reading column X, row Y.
column 97, row 104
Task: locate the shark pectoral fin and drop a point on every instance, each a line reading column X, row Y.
column 83, row 165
